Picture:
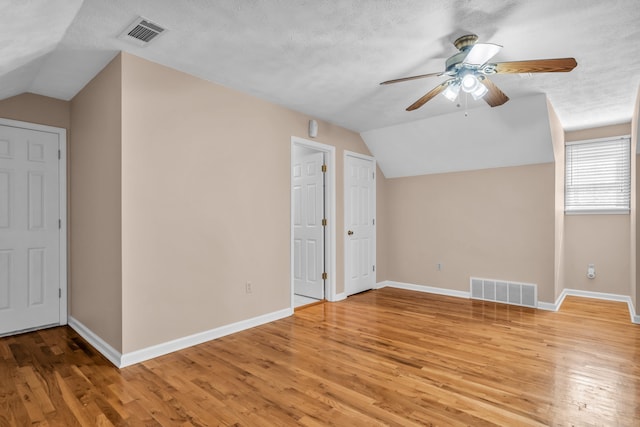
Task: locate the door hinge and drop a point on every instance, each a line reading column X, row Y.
column 374, row 268
column 59, row 224
column 324, row 168
column 324, row 276
column 59, row 154
column 373, row 175
column 324, row 222
column 59, row 292
column 373, row 221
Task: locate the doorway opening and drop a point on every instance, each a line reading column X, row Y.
column 313, row 213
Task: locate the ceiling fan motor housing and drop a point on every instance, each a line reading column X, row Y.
column 465, row 42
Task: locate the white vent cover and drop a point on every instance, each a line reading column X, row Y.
column 142, row 31
column 515, row 293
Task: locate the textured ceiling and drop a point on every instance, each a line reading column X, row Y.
column 518, row 135
column 325, row 58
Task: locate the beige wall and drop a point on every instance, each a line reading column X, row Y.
column 383, row 227
column 599, row 132
column 32, row 108
column 206, row 203
column 557, row 139
column 602, row 240
column 494, row 223
column 193, row 206
column 95, row 216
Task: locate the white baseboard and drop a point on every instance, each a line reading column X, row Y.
column 381, row 285
column 127, row 359
column 339, row 297
column 602, row 296
column 541, row 305
column 422, row 288
column 113, row 355
column 199, row 338
column 548, row 306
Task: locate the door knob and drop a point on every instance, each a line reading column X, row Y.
column 349, row 232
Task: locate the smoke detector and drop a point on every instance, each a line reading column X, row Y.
column 142, row 31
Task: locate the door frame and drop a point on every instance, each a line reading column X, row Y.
column 62, row 204
column 345, row 219
column 330, row 210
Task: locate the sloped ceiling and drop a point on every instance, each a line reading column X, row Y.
column 326, row 58
column 29, row 32
column 460, row 141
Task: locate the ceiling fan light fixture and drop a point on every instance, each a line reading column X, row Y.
column 452, row 91
column 471, row 84
column 480, row 91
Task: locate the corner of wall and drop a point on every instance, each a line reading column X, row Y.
column 95, row 209
column 557, row 138
column 383, row 226
column 635, row 253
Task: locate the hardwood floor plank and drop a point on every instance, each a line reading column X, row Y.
column 387, row 357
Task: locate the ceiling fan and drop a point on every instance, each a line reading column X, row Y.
column 469, row 71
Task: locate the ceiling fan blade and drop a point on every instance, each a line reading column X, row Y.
column 495, row 96
column 480, row 53
column 432, row 93
column 559, row 65
column 404, row 79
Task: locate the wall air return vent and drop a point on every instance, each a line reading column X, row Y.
column 515, row 293
column 142, row 31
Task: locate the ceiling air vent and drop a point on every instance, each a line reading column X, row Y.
column 142, row 32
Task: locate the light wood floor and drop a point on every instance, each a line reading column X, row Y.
column 385, row 357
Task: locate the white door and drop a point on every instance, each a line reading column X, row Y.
column 308, row 231
column 360, row 231
column 29, row 229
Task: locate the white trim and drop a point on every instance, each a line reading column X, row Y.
column 112, row 355
column 122, row 360
column 607, row 138
column 372, row 159
column 590, row 294
column 548, row 306
column 602, row 296
column 541, row 305
column 330, row 207
column 62, row 205
column 382, row 284
column 359, row 156
column 340, row 297
column 623, row 211
column 200, row 337
column 553, row 306
column 424, row 288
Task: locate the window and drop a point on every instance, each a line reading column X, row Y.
column 598, row 176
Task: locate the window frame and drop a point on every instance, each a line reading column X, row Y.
column 597, row 210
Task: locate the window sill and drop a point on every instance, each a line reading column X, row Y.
column 599, row 212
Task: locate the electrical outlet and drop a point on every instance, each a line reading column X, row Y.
column 247, row 288
column 439, row 266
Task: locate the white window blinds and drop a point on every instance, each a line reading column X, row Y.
column 598, row 176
